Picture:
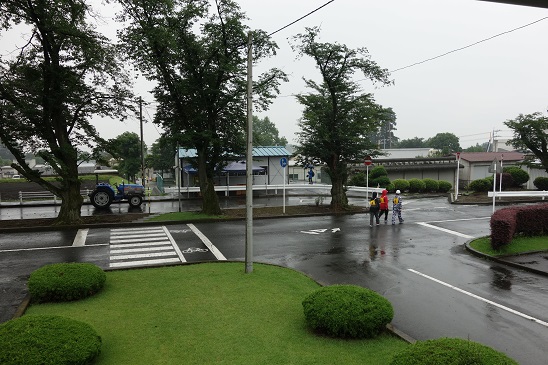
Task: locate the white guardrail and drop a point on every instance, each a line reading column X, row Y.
column 45, row 195
column 515, row 194
column 317, row 188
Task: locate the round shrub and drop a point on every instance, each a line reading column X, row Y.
column 357, row 179
column 47, row 340
column 65, row 282
column 380, row 181
column 519, row 176
column 480, row 185
column 401, row 184
column 416, row 185
column 507, row 180
column 391, row 188
column 347, row 311
column 541, row 183
column 450, row 351
column 377, row 171
column 431, row 185
column 444, row 186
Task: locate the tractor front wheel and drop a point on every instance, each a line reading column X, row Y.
column 101, row 199
column 135, row 201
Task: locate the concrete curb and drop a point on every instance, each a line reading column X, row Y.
column 501, row 260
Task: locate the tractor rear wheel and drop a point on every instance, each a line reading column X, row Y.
column 135, row 201
column 101, row 199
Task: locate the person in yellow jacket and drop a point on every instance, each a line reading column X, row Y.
column 396, row 207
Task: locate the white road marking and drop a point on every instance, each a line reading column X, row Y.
column 80, row 239
column 513, row 311
column 137, row 239
column 174, row 244
column 207, row 242
column 459, row 220
column 139, row 256
column 145, row 262
column 48, row 248
column 446, row 230
column 143, row 249
column 145, row 244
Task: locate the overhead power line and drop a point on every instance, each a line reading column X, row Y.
column 470, row 45
column 301, row 18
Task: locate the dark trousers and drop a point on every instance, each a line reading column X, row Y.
column 385, row 212
column 373, row 213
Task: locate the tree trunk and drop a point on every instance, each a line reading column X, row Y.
column 339, row 200
column 210, row 200
column 71, row 203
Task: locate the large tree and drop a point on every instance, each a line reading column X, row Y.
column 126, row 149
column 337, row 118
column 50, row 88
column 162, row 155
column 445, row 143
column 531, row 132
column 196, row 52
column 415, row 142
column 265, row 133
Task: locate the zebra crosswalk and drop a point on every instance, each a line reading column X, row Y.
column 133, row 247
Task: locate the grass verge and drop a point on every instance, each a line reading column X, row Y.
column 212, row 313
column 517, row 246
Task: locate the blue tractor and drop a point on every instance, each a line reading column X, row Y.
column 104, row 194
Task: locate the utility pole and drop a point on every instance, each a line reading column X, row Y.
column 142, row 143
column 249, row 163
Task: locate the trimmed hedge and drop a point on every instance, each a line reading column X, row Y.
column 431, row 185
column 380, row 181
column 444, row 186
column 65, row 282
column 347, row 311
column 401, row 184
column 541, row 183
column 416, row 186
column 519, row 176
column 531, row 220
column 450, row 351
column 47, row 340
column 507, row 180
column 480, row 185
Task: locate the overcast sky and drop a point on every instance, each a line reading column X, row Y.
column 469, row 93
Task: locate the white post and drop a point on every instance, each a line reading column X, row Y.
column 500, row 174
column 458, row 178
column 494, row 183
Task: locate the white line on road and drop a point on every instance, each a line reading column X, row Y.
column 143, row 249
column 173, row 260
column 459, row 220
column 174, row 244
column 141, row 256
column 207, row 242
column 446, row 230
column 513, row 311
column 49, row 248
column 80, row 239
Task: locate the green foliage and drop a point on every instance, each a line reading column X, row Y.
column 445, row 142
column 480, row 185
column 416, row 186
column 531, row 132
column 377, row 172
column 161, row 156
column 541, row 183
column 126, row 148
column 401, row 184
column 337, row 116
column 415, row 142
column 506, row 179
column 444, row 186
column 381, row 181
column 347, row 311
column 431, row 185
column 47, row 340
column 519, row 176
column 265, row 133
column 450, row 351
column 358, row 179
column 391, row 188
column 65, row 282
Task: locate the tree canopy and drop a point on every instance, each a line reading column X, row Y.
column 337, row 119
column 531, row 132
column 415, row 142
column 265, row 133
column 126, row 149
column 64, row 74
column 446, row 143
column 196, row 52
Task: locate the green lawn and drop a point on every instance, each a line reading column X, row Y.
column 182, row 216
column 517, row 246
column 213, row 313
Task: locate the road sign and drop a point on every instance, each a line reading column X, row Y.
column 458, row 155
column 368, row 161
column 283, row 162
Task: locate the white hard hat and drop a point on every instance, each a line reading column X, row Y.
column 398, row 192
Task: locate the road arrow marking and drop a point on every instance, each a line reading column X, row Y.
column 323, row 230
column 333, row 230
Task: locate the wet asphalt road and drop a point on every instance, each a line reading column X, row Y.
column 436, row 287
